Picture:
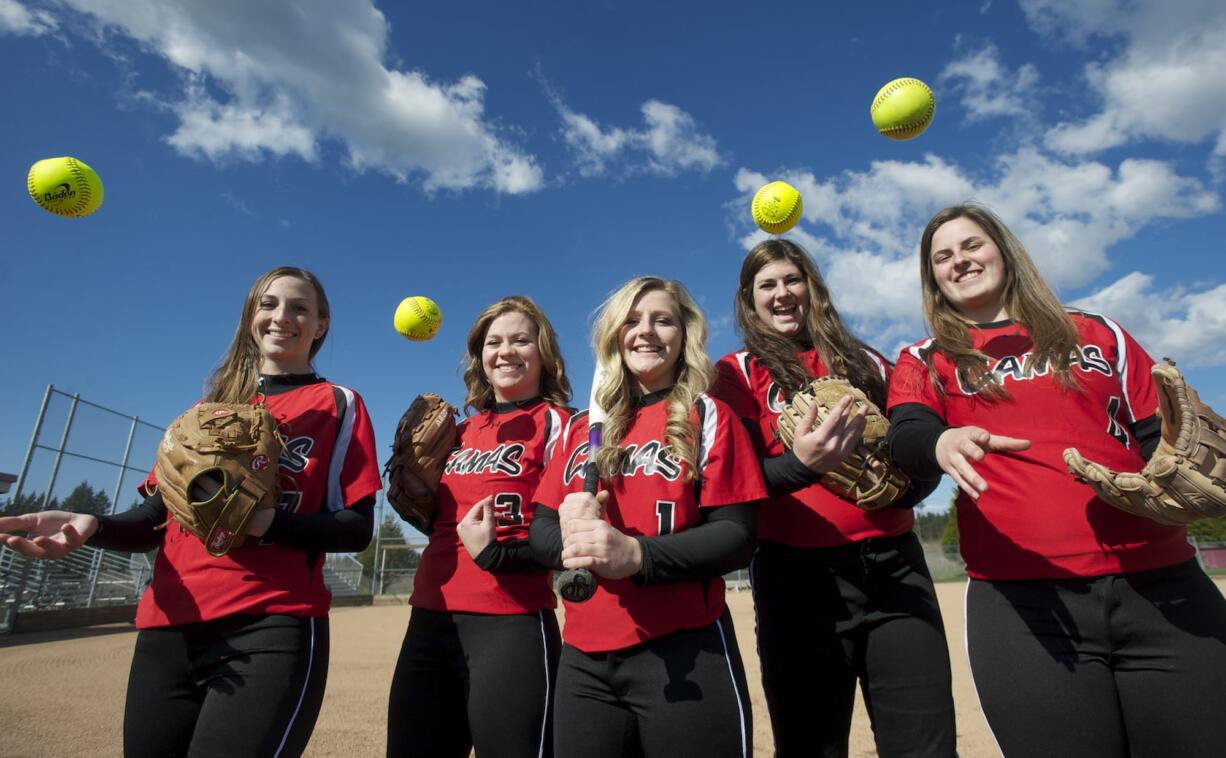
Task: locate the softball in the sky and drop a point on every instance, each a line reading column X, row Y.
column 417, row 318
column 903, row 109
column 776, row 207
column 65, row 186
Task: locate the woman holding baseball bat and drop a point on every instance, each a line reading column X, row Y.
column 478, row 662
column 650, row 664
column 841, row 594
column 1090, row 631
column 232, row 654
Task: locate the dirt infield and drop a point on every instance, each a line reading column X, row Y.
column 61, row 693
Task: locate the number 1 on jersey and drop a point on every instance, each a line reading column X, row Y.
column 664, row 516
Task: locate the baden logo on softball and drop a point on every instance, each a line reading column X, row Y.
column 65, row 186
column 417, row 318
column 903, row 109
column 776, row 207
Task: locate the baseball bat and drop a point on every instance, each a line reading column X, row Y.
column 578, row 585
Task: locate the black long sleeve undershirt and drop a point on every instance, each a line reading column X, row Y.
column 135, row 530
column 345, row 531
column 721, row 542
column 511, row 556
column 915, row 428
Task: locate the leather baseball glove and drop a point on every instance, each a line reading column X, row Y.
column 866, row 477
column 216, row 466
column 1185, row 479
column 425, row 437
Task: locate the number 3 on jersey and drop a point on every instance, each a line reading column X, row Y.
column 509, row 509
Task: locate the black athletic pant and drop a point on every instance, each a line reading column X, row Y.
column 474, row 680
column 867, row 611
column 238, row 686
column 1107, row 667
column 680, row 695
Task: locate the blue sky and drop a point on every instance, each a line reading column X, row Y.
column 557, row 149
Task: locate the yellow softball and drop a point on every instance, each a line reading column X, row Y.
column 776, row 207
column 903, row 109
column 65, row 186
column 417, row 318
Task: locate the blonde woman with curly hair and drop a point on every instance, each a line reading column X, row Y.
column 483, row 623
column 650, row 664
column 1090, row 631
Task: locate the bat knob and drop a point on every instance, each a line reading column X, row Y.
column 575, row 585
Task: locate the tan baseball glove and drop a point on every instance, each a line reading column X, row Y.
column 425, row 437
column 865, row 478
column 216, row 466
column 1185, row 479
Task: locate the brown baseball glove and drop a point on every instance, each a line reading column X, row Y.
column 425, row 437
column 216, row 466
column 866, row 477
column 1185, row 478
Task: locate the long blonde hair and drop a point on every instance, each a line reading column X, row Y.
column 1026, row 298
column 237, row 377
column 618, row 393
column 843, row 354
column 555, row 387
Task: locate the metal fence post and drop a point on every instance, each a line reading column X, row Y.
column 96, row 566
column 38, row 428
column 55, row 470
column 376, row 570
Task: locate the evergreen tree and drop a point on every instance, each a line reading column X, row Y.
column 1208, row 530
column 929, row 526
column 397, row 558
column 28, row 502
column 949, row 537
column 85, row 499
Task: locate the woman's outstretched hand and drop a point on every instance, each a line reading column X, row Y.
column 49, row 534
column 961, row 446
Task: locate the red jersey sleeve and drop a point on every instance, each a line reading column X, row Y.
column 564, row 472
column 1139, row 389
column 355, row 462
column 910, row 381
column 726, row 458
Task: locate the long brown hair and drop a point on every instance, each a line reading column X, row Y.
column 843, row 354
column 618, row 391
column 555, row 387
column 237, row 378
column 1026, row 299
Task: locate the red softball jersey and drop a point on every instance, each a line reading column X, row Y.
column 328, row 463
column 652, row 497
column 813, row 516
column 1036, row 521
column 500, row 454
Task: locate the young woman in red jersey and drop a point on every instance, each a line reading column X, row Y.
column 650, row 666
column 841, row 595
column 1091, row 632
column 232, row 656
column 478, row 662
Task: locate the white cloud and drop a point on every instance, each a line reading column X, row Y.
column 863, row 228
column 19, row 20
column 669, row 143
column 277, row 77
column 987, row 89
column 1187, row 326
column 1168, row 82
